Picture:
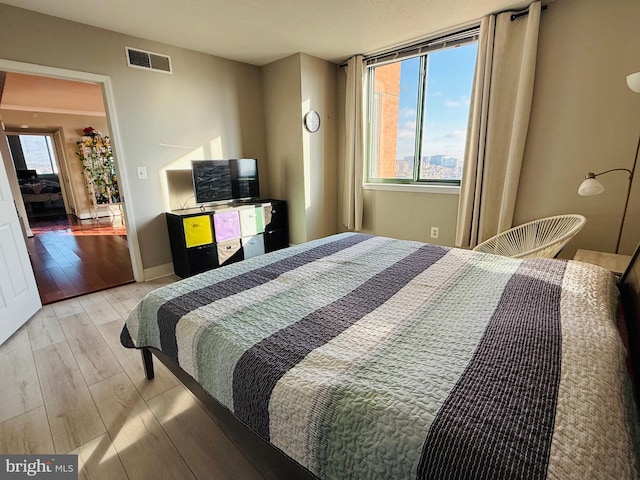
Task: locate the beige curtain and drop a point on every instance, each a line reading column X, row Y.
column 498, row 125
column 354, row 145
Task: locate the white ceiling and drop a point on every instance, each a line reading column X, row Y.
column 262, row 31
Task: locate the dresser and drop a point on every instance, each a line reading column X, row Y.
column 210, row 237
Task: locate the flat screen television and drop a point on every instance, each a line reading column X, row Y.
column 225, row 180
column 244, row 178
column 211, row 180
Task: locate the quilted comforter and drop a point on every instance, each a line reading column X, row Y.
column 365, row 357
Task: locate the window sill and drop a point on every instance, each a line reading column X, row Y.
column 412, row 187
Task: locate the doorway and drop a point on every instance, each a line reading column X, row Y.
column 38, row 172
column 74, row 250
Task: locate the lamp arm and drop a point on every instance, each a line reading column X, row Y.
column 626, row 203
column 613, row 170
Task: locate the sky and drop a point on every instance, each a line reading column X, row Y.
column 449, row 78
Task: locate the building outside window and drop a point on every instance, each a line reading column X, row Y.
column 419, row 108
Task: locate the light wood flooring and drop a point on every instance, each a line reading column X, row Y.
column 68, row 386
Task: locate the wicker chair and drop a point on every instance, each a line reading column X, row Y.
column 540, row 238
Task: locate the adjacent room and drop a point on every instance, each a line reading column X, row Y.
column 320, row 241
column 70, row 224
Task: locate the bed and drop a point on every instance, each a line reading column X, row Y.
column 38, row 190
column 367, row 357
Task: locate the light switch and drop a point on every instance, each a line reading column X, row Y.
column 142, row 173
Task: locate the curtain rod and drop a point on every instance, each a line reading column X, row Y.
column 519, row 14
column 450, row 39
column 424, row 42
column 525, row 12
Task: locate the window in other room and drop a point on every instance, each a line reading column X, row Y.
column 38, row 153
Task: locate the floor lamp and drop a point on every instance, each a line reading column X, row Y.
column 590, row 186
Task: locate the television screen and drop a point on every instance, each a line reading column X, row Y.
column 244, row 178
column 212, row 180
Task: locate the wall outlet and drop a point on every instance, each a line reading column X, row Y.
column 435, row 232
column 142, row 173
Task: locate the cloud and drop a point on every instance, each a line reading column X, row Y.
column 456, row 136
column 450, row 144
column 406, row 139
column 462, row 101
column 406, row 112
column 407, row 130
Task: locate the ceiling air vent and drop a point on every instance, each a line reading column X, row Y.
column 148, row 60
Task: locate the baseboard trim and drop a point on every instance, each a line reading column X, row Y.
column 158, row 271
column 103, row 210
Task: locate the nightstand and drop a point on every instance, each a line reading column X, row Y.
column 615, row 263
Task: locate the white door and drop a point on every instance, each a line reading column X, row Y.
column 19, row 298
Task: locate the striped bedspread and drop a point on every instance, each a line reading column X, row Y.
column 366, row 357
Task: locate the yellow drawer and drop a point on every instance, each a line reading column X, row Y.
column 197, row 230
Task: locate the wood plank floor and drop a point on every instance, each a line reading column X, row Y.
column 68, row 386
column 73, row 257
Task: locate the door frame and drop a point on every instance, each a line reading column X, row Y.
column 112, row 121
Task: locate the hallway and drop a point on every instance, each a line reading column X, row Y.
column 72, row 257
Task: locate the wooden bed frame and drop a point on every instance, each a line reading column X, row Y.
column 284, row 467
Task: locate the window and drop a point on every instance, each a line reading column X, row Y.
column 419, row 109
column 38, row 153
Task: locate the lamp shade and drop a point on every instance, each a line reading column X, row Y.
column 633, row 81
column 590, row 187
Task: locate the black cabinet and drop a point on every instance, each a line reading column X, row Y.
column 210, row 237
column 276, row 229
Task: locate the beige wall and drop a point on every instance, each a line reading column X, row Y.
column 283, row 122
column 207, row 104
column 302, row 165
column 583, row 118
column 410, row 215
column 70, row 127
column 320, row 148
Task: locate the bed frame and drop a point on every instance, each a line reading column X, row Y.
column 629, row 286
column 259, row 452
column 262, row 452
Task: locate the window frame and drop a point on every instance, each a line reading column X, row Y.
column 422, row 50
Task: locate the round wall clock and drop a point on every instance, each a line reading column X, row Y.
column 312, row 121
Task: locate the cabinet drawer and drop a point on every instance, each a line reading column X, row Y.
column 197, row 230
column 253, row 246
column 201, row 259
column 276, row 239
column 251, row 221
column 275, row 215
column 226, row 225
column 229, row 252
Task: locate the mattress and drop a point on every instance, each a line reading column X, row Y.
column 367, row 357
